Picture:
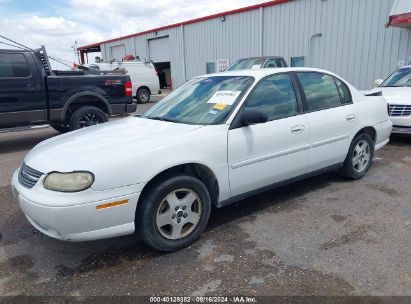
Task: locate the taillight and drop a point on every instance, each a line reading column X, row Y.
column 129, row 89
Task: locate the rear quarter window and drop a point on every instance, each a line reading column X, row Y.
column 344, row 91
column 13, row 65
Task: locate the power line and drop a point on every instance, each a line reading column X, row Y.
column 61, row 62
column 19, row 44
column 11, row 45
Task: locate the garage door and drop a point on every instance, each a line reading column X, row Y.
column 159, row 49
column 118, row 52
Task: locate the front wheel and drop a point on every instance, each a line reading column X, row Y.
column 174, row 213
column 359, row 157
column 87, row 116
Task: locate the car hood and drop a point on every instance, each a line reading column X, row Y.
column 90, row 148
column 398, row 95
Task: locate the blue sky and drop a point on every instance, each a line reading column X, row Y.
column 57, row 24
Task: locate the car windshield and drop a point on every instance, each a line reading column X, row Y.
column 245, row 64
column 400, row 78
column 201, row 101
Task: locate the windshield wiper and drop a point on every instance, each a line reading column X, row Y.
column 161, row 118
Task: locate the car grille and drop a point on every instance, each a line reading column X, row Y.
column 28, row 177
column 400, row 110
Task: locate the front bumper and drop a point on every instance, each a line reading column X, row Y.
column 401, row 125
column 401, row 130
column 77, row 222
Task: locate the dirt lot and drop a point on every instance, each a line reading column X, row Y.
column 322, row 236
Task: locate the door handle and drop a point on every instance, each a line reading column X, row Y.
column 32, row 87
column 350, row 117
column 297, row 129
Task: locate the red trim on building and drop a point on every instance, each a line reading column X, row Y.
column 227, row 13
column 402, row 19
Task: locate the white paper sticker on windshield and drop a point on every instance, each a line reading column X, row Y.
column 256, row 66
column 224, row 97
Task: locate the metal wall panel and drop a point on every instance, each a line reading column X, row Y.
column 354, row 42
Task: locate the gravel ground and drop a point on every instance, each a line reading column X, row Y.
column 321, row 236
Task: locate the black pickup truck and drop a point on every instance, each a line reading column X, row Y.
column 31, row 94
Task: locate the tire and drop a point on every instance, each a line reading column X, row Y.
column 165, row 219
column 359, row 157
column 143, row 95
column 62, row 128
column 87, row 116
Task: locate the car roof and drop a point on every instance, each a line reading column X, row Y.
column 261, row 57
column 261, row 73
column 14, row 50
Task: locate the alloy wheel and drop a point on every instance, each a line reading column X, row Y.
column 361, row 156
column 89, row 119
column 178, row 214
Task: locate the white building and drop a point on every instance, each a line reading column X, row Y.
column 361, row 40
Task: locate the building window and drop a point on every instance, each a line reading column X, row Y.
column 298, row 61
column 210, row 66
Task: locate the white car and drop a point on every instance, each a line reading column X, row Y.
column 143, row 76
column 212, row 141
column 396, row 89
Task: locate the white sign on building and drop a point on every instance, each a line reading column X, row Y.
column 222, row 65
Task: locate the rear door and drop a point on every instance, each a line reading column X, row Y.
column 22, row 90
column 331, row 118
column 267, row 153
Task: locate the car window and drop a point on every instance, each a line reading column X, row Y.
column 344, row 91
column 320, row 91
column 13, row 65
column 274, row 63
column 245, row 64
column 274, row 96
column 400, row 78
column 201, row 101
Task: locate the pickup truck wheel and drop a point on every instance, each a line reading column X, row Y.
column 174, row 213
column 62, row 128
column 143, row 95
column 87, row 116
column 359, row 157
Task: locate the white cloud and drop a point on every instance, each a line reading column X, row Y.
column 93, row 21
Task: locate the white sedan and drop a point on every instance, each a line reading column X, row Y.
column 214, row 140
column 396, row 89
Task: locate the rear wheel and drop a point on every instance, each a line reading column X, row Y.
column 359, row 157
column 143, row 95
column 174, row 213
column 87, row 116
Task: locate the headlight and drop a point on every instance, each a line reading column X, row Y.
column 69, row 182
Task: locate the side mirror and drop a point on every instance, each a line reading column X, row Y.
column 378, row 82
column 252, row 117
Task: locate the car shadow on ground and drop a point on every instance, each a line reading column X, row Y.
column 112, row 252
column 402, row 140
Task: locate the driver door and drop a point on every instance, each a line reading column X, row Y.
column 266, row 153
